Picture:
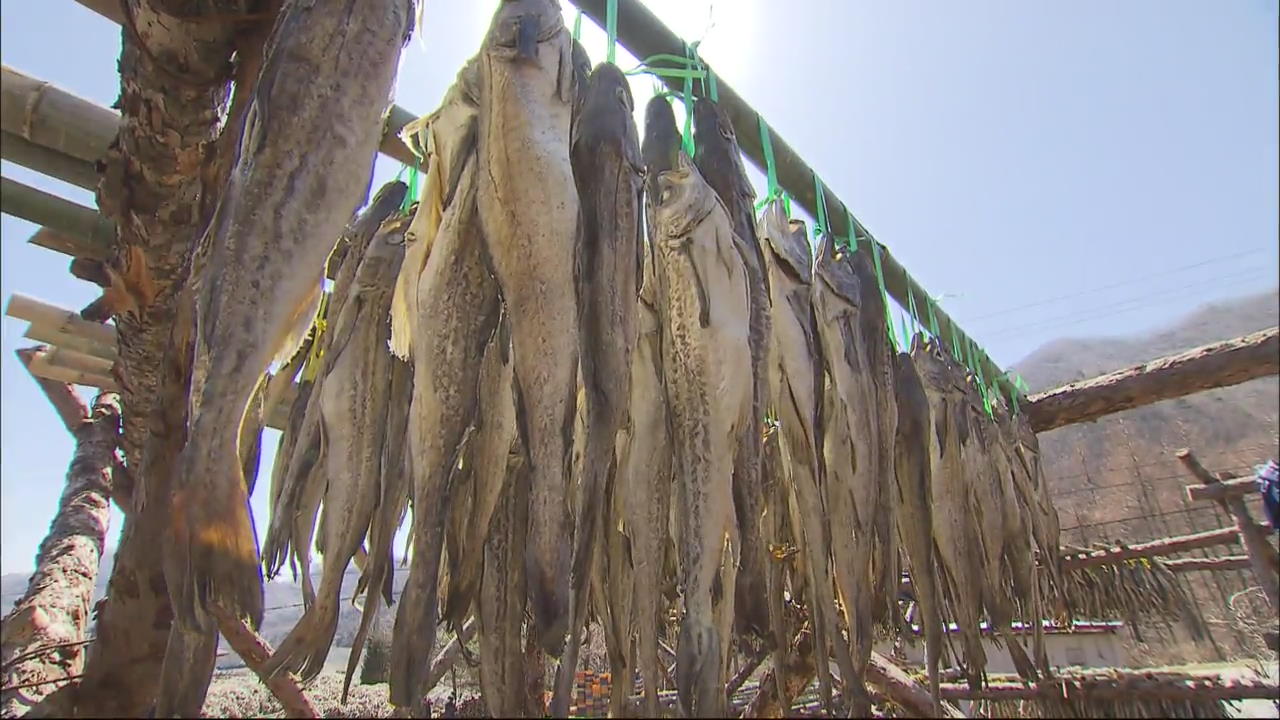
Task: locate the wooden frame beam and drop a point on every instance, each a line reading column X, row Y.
column 1221, row 364
column 78, row 231
column 1228, row 562
column 1234, row 487
column 1155, row 548
column 644, row 35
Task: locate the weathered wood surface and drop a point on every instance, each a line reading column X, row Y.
column 1227, row 562
column 1232, row 487
column 1262, row 557
column 1209, row 366
column 1155, row 548
column 43, row 637
column 255, row 652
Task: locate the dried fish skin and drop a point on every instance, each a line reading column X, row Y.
column 914, row 476
column 528, row 209
column 458, row 303
column 501, row 603
column 797, row 383
column 858, row 421
column 704, row 306
column 720, row 161
column 354, row 399
column 279, row 212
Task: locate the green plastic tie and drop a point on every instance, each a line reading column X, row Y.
column 610, row 29
column 902, row 326
column 411, row 195
column 884, row 295
column 933, row 318
column 853, row 232
column 577, row 25
column 770, row 167
column 915, row 314
column 821, row 226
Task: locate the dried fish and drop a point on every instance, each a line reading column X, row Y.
column 606, row 168
column 720, row 162
column 858, row 421
column 797, row 384
column 528, row 211
column 705, row 308
column 354, row 400
column 501, row 602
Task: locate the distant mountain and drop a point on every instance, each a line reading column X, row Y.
column 1122, row 466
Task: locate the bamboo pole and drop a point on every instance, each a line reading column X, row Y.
column 42, row 334
column 1262, row 557
column 1228, row 562
column 80, row 231
column 52, row 317
column 1155, row 548
column 42, row 639
column 51, row 117
column 41, row 367
column 15, row 148
column 644, row 35
column 1209, row 366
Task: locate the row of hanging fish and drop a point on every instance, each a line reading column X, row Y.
column 608, row 391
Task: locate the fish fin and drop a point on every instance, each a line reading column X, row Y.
column 215, row 538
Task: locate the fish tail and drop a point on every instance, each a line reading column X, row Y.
column 216, row 558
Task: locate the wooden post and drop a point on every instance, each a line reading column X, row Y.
column 1261, row 556
column 1162, row 546
column 43, row 638
column 1209, row 366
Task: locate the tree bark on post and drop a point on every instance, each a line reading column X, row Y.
column 160, row 185
column 43, row 638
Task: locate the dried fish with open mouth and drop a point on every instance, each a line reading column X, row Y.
column 705, row 308
column 528, row 211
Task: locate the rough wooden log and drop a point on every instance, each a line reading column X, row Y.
column 1262, row 557
column 450, row 654
column 255, row 652
column 15, row 148
column 79, row 231
column 1210, row 366
column 43, row 638
column 1135, row 684
column 1228, row 562
column 1155, row 548
column 1233, row 487
column 51, row 117
column 900, row 687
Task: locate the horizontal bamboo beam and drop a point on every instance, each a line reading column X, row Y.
column 1227, row 562
column 1131, row 684
column 1235, row 487
column 17, row 149
column 81, row 362
column 1209, row 366
column 42, row 367
column 63, row 321
column 1155, row 548
column 51, row 117
column 77, row 230
column 644, row 35
column 52, row 336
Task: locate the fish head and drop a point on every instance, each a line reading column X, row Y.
column 835, row 270
column 718, row 155
column 581, row 63
column 607, row 100
column 787, row 241
column 519, row 25
column 660, row 146
column 381, row 262
column 684, row 199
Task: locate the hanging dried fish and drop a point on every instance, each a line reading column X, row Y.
column 252, row 273
column 720, row 162
column 528, row 211
column 796, row 382
column 914, row 475
column 501, row 603
column 458, row 307
column 354, row 400
column 705, row 310
column 859, row 421
column 606, row 168
column 955, row 537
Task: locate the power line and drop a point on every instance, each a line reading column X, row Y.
column 1123, row 283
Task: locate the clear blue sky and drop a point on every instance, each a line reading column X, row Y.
column 1010, row 154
